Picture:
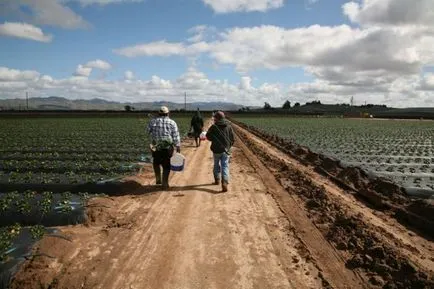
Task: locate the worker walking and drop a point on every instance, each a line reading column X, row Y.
column 165, row 138
column 221, row 136
column 197, row 127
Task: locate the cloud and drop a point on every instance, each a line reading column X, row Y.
column 344, row 56
column 412, row 90
column 99, row 64
column 103, row 2
column 159, row 48
column 229, row 6
column 44, row 12
column 246, row 83
column 83, row 71
column 427, row 82
column 390, row 12
column 129, row 75
column 202, row 33
column 12, row 75
column 24, row 30
column 195, row 83
column 401, row 92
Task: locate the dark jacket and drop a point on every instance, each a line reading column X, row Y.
column 197, row 123
column 221, row 136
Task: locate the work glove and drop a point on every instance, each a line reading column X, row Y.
column 178, row 149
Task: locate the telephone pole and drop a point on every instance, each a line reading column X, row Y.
column 27, row 100
column 185, row 101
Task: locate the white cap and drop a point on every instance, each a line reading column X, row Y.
column 164, row 109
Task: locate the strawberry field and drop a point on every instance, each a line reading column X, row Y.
column 55, row 155
column 72, row 150
column 402, row 151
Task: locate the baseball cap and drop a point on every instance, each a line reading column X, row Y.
column 164, row 109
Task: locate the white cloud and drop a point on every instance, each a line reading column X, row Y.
column 202, row 33
column 342, row 58
column 198, row 33
column 12, row 75
column 246, row 83
column 427, row 82
column 44, row 12
column 103, row 2
column 83, row 71
column 129, row 75
column 99, row 64
column 228, row 6
column 390, row 12
column 47, row 78
column 414, row 90
column 24, row 30
column 195, row 83
column 159, row 48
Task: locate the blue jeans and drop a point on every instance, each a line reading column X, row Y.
column 221, row 165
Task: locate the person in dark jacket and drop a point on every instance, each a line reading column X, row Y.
column 197, row 126
column 222, row 139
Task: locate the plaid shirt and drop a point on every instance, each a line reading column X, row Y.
column 164, row 129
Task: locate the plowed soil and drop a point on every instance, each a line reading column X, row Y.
column 281, row 225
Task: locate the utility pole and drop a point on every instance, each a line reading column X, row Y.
column 185, row 101
column 352, row 100
column 27, row 100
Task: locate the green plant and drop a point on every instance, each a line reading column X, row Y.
column 7, row 234
column 24, row 203
column 46, row 202
column 37, row 231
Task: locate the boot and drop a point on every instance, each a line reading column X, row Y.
column 166, row 179
column 224, row 186
column 157, row 172
column 216, row 181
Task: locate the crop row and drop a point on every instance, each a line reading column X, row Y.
column 399, row 150
column 128, row 156
column 73, row 150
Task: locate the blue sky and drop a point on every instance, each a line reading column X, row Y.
column 286, row 50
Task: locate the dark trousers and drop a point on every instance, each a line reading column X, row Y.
column 161, row 158
column 197, row 132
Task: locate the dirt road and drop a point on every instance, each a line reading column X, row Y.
column 193, row 236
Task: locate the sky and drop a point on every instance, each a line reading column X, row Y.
column 242, row 51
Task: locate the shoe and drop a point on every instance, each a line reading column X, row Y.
column 224, row 186
column 217, row 182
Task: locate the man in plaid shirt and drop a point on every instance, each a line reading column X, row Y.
column 164, row 138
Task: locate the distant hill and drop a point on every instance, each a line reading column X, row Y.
column 60, row 103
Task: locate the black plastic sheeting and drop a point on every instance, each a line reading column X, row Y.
column 20, row 250
column 63, row 211
column 419, row 192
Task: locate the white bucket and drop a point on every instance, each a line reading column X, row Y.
column 177, row 162
column 203, row 135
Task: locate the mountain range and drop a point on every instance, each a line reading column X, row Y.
column 61, row 103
